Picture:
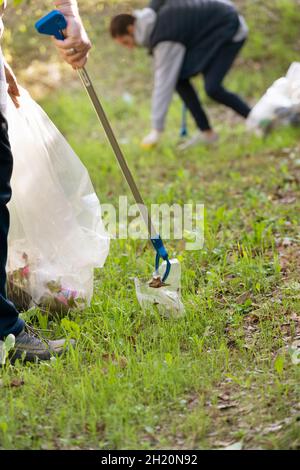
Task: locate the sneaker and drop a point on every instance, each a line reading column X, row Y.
column 201, row 138
column 30, row 347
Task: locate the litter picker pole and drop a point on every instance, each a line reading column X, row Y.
column 84, row 76
column 53, row 24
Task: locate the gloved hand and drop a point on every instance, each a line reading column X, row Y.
column 151, row 140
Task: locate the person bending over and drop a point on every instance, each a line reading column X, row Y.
column 186, row 38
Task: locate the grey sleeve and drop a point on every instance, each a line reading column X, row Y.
column 168, row 60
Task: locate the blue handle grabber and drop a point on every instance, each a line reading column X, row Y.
column 53, row 24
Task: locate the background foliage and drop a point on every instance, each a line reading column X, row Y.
column 228, row 372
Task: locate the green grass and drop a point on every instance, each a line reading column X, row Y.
column 223, row 373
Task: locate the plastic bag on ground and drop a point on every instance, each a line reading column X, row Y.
column 57, row 237
column 280, row 105
column 166, row 298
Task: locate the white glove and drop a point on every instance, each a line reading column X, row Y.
column 151, row 140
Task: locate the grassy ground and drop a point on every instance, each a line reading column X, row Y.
column 224, row 373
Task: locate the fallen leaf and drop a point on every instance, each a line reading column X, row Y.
column 253, row 318
column 226, row 406
column 224, row 397
column 287, row 242
column 120, row 361
column 295, row 356
column 123, row 362
column 17, row 383
column 272, row 428
column 288, row 200
column 242, row 298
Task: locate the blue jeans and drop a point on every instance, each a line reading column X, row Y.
column 9, row 317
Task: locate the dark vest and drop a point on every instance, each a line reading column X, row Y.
column 156, row 4
column 202, row 26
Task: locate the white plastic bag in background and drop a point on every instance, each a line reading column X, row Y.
column 281, row 102
column 57, row 237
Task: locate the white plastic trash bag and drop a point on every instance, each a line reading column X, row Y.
column 281, row 102
column 57, row 237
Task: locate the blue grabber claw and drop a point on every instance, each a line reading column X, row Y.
column 52, row 24
column 161, row 253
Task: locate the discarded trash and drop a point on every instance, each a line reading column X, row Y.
column 280, row 105
column 57, row 237
column 166, row 296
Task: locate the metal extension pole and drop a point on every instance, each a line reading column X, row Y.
column 87, row 83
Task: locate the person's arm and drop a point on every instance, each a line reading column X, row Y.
column 168, row 60
column 75, row 48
